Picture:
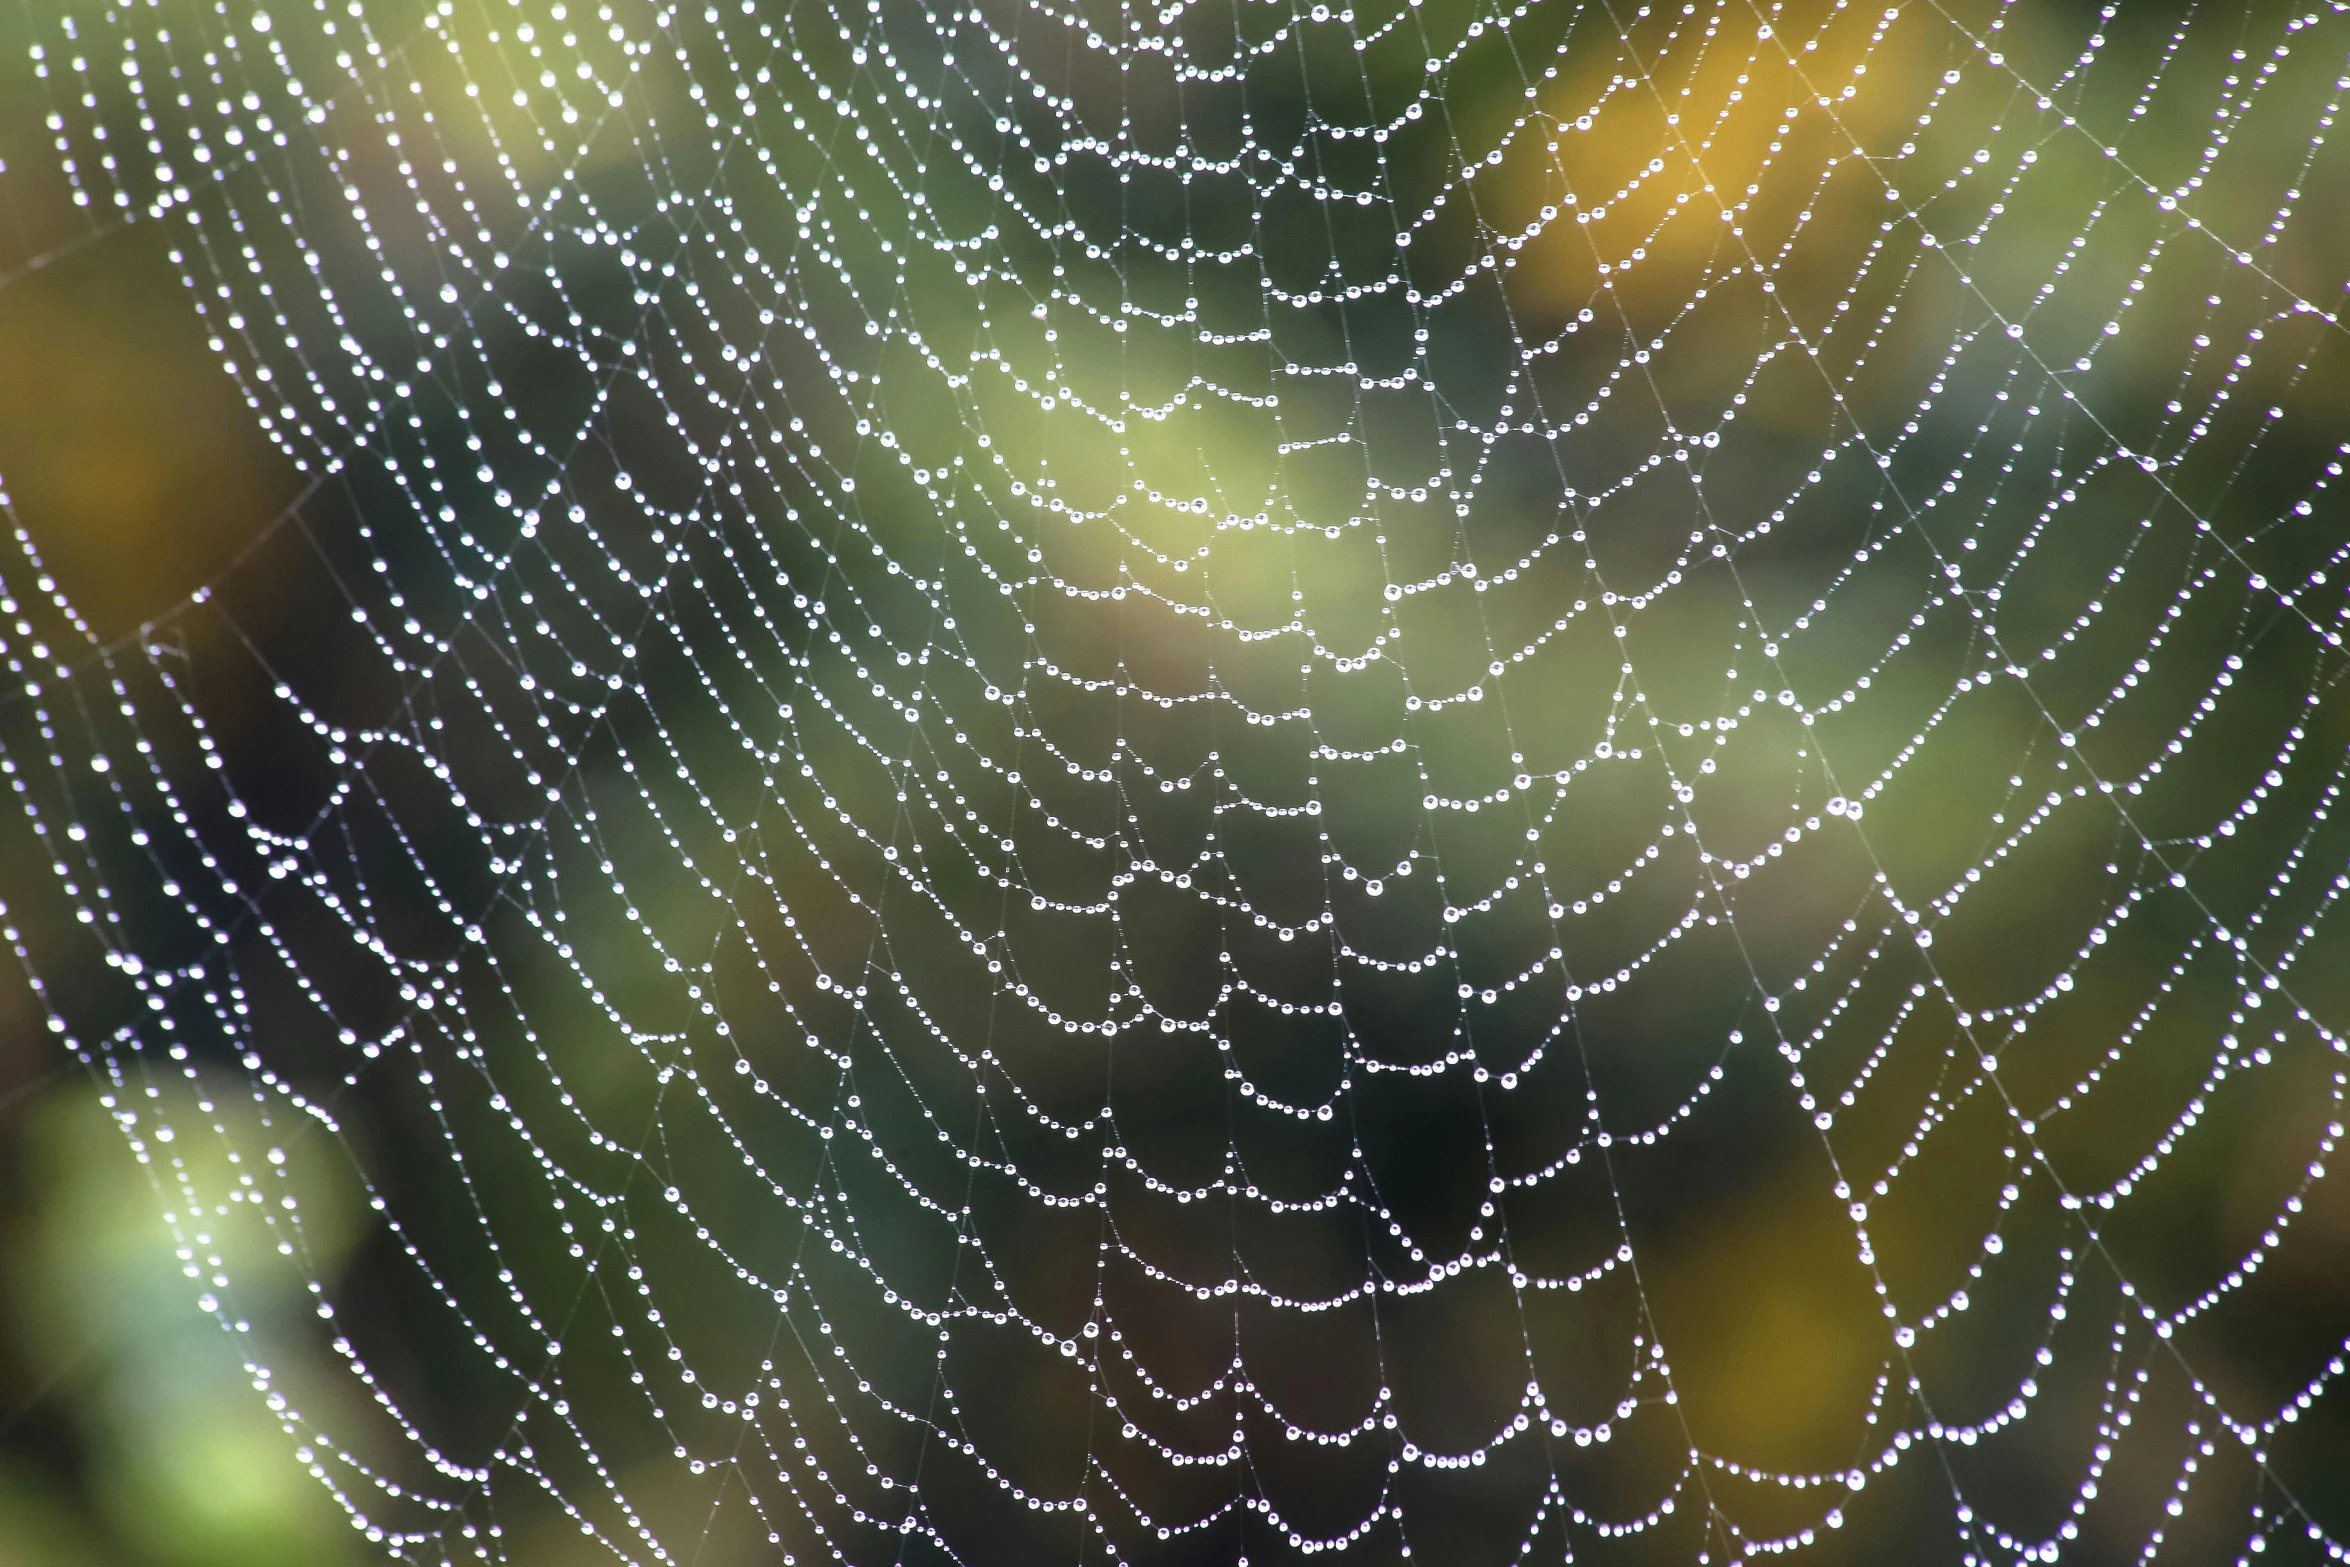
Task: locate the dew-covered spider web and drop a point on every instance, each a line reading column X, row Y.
column 1046, row 781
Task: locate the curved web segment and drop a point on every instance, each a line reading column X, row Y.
column 1061, row 782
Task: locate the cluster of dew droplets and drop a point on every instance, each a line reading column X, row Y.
column 747, row 638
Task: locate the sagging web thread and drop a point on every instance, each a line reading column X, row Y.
column 923, row 582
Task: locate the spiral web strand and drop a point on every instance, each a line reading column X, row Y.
column 1066, row 782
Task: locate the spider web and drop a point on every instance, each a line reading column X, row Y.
column 1047, row 780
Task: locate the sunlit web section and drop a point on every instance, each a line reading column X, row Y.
column 1211, row 784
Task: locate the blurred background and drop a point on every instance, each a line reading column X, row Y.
column 764, row 759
